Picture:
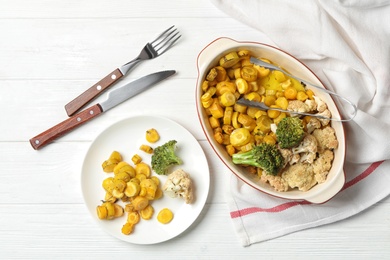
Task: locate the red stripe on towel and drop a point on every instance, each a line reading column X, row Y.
column 279, row 208
column 363, row 175
column 284, row 206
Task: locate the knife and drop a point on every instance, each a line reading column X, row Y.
column 73, row 106
column 114, row 98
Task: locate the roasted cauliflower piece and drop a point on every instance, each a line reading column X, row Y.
column 276, row 182
column 300, row 175
column 298, row 106
column 325, row 113
column 313, row 124
column 311, row 104
column 307, row 149
column 322, row 165
column 326, row 138
column 321, row 105
column 179, row 184
column 289, row 157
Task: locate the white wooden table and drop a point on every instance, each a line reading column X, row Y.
column 51, row 51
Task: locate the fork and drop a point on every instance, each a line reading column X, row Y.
column 151, row 50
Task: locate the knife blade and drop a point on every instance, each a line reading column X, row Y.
column 114, row 98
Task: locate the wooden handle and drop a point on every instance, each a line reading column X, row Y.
column 64, row 127
column 91, row 93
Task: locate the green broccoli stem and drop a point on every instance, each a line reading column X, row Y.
column 264, row 156
column 247, row 158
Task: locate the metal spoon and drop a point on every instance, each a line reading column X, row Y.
column 264, row 107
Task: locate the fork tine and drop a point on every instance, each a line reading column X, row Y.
column 165, row 40
column 168, row 43
column 162, row 34
column 154, row 49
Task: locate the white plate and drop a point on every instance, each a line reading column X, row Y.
column 126, row 136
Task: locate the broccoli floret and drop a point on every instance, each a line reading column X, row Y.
column 164, row 156
column 289, row 132
column 265, row 156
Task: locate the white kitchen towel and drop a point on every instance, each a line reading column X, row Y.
column 347, row 44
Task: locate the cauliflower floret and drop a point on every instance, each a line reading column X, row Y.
column 297, row 106
column 313, row 124
column 179, row 184
column 321, row 105
column 322, row 165
column 300, row 175
column 312, row 105
column 307, row 149
column 325, row 113
column 295, row 158
column 326, row 138
column 308, row 144
column 289, row 156
column 275, row 181
column 308, row 157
